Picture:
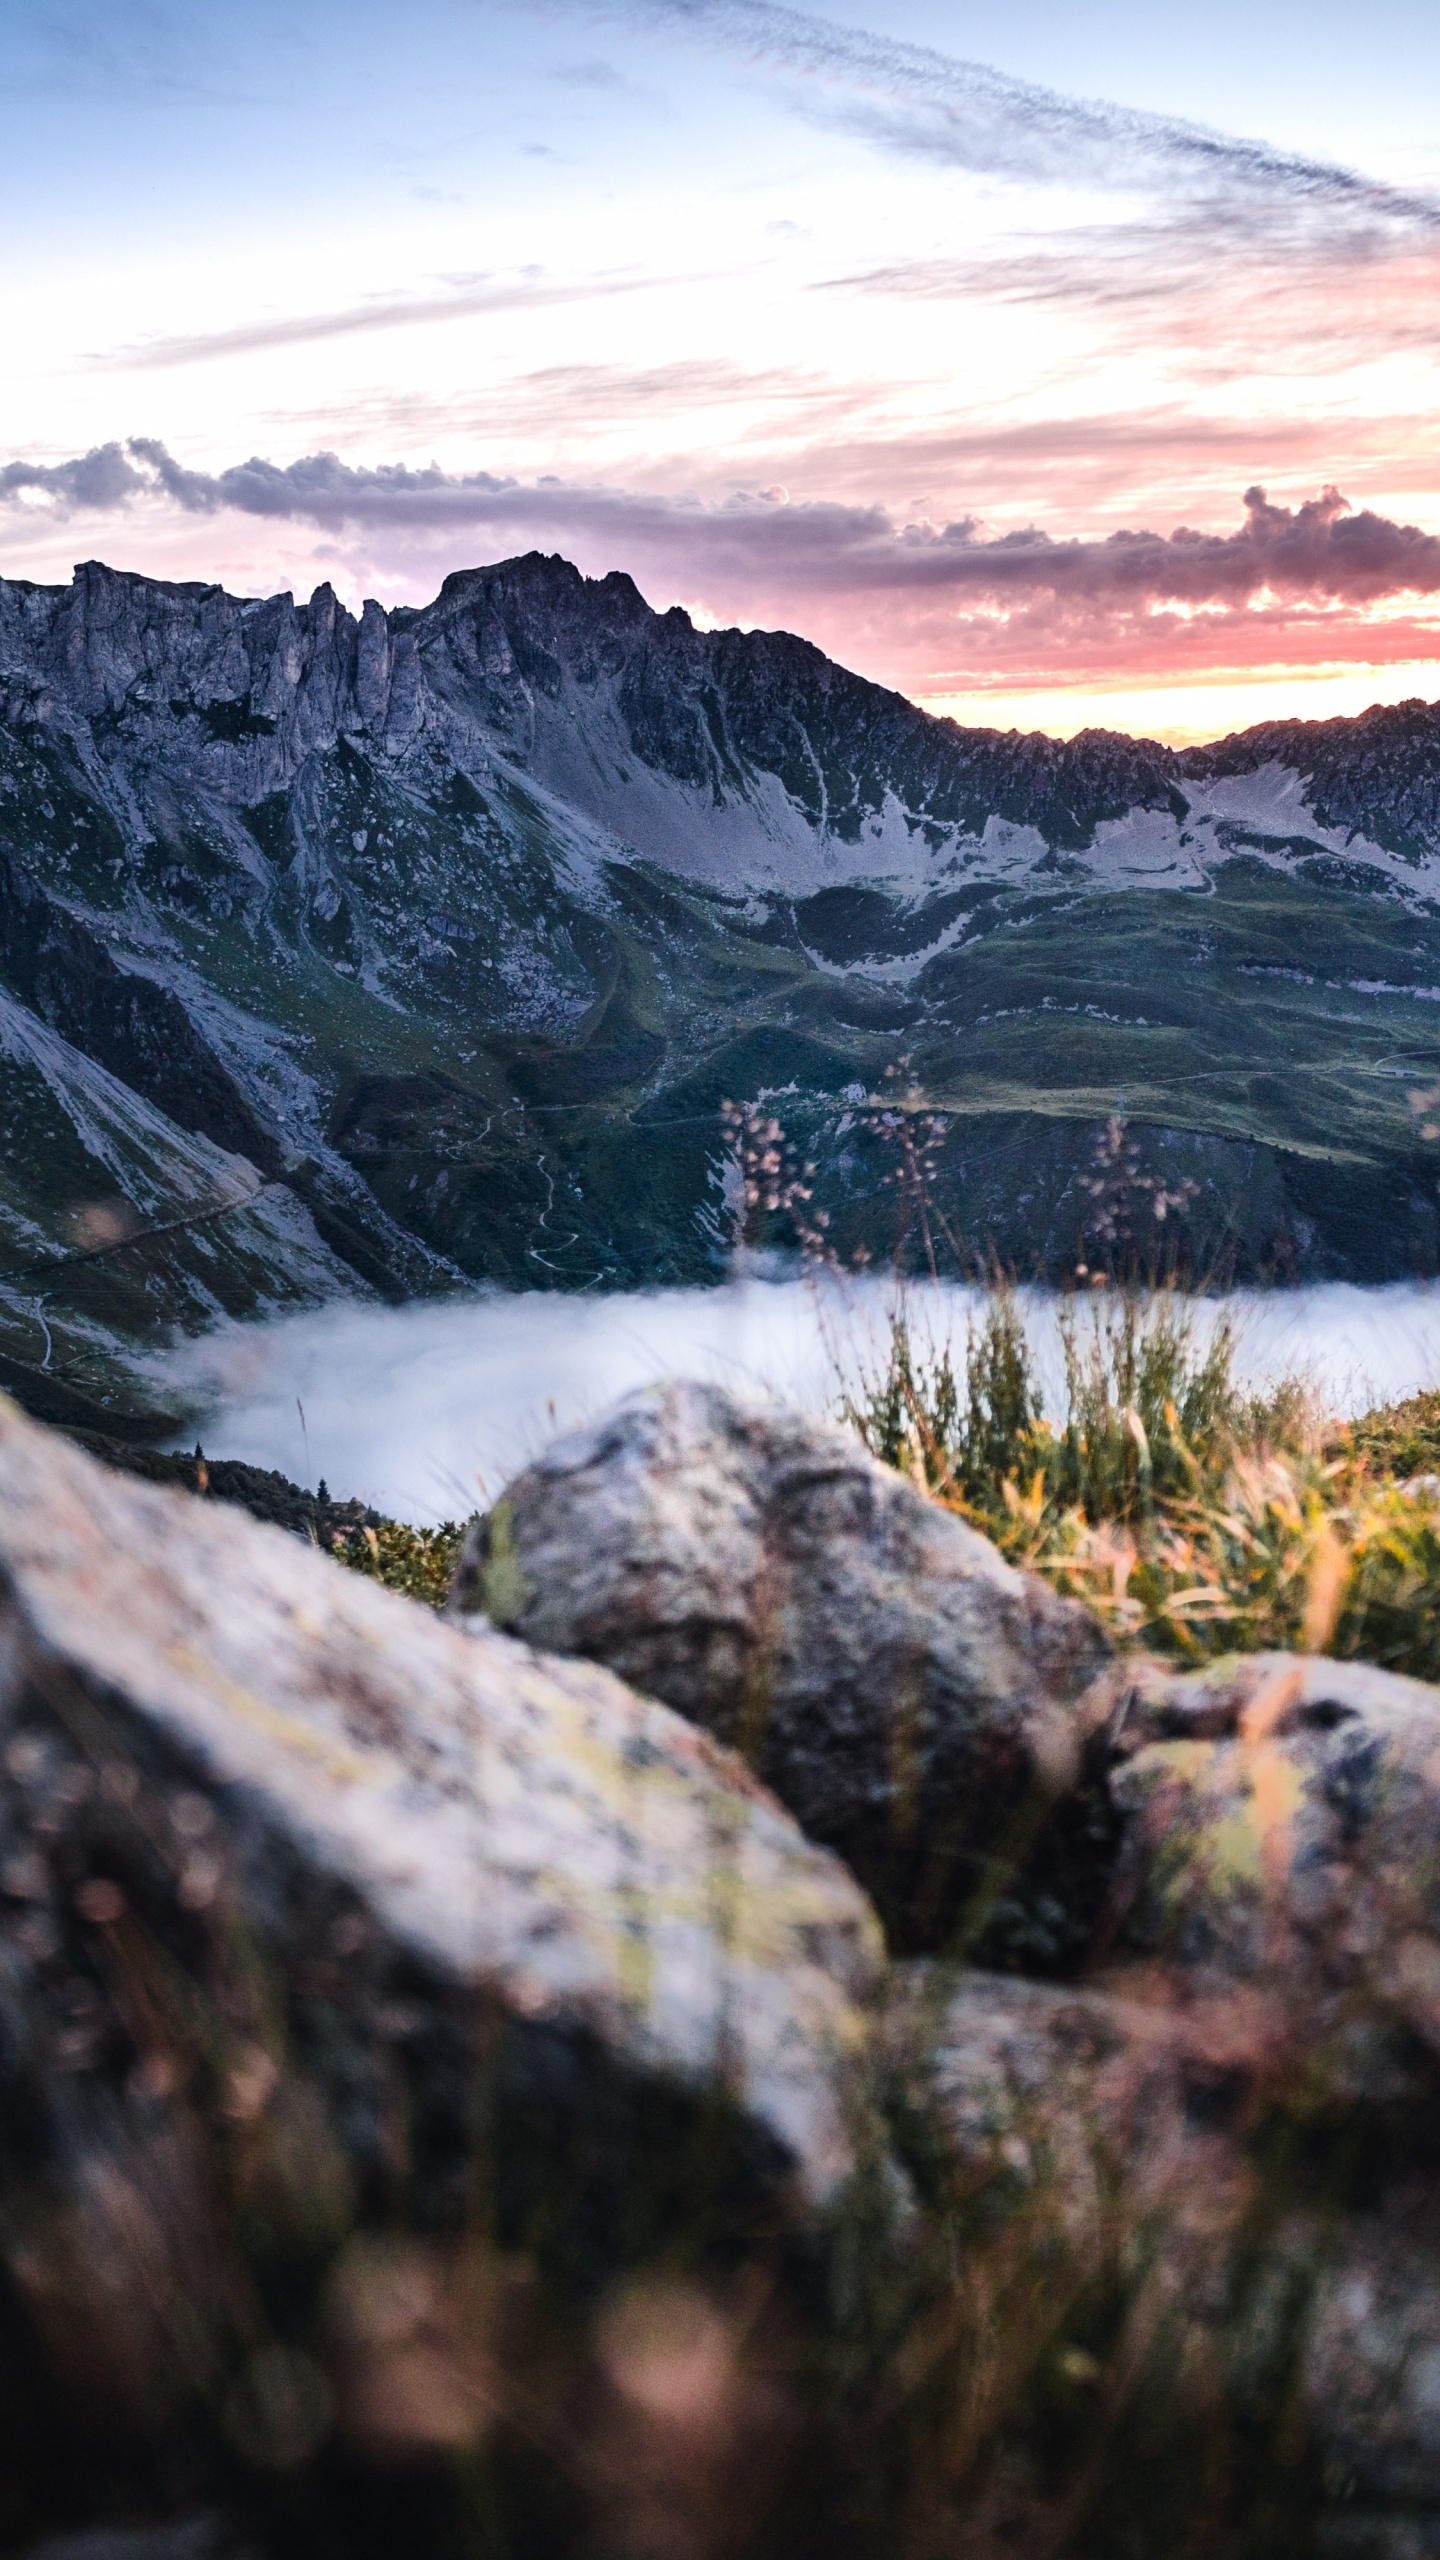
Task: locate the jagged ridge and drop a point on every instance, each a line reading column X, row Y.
column 449, row 928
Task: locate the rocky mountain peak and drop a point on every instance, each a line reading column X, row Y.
column 455, row 925
column 582, row 681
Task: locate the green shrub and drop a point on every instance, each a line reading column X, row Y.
column 418, row 1562
column 1401, row 1439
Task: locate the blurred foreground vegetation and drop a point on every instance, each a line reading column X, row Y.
column 1188, row 1515
column 418, row 1562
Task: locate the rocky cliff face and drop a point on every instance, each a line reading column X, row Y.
column 232, row 697
column 448, row 930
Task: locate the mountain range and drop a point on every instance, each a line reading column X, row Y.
column 392, row 953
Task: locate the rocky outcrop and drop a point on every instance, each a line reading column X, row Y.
column 913, row 1700
column 248, row 687
column 425, row 2060
column 1283, row 1840
column 462, row 922
column 61, row 969
column 314, row 1913
column 1377, row 776
column 720, row 713
column 238, row 691
column 235, row 693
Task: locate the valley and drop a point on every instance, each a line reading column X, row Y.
column 376, row 957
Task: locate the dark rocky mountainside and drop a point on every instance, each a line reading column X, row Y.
column 380, row 954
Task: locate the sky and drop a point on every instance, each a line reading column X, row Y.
column 1059, row 366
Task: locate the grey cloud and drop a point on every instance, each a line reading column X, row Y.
column 922, row 101
column 102, row 479
column 1318, row 552
column 529, row 290
column 590, row 74
column 320, row 487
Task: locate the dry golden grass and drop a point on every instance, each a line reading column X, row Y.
column 1185, row 1515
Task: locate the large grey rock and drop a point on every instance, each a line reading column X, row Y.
column 318, row 1916
column 918, row 1704
column 1155, row 2238
column 1282, row 1856
column 524, row 1827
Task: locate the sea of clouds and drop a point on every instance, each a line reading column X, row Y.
column 426, row 1410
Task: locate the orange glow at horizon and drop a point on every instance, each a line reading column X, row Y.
column 1187, row 715
column 781, row 351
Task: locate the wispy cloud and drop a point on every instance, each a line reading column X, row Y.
column 917, row 99
column 592, row 73
column 531, row 289
column 713, row 407
column 1227, row 305
column 1216, row 255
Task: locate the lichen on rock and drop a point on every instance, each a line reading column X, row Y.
column 917, row 1703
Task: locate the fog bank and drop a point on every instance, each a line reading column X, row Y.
column 426, row 1410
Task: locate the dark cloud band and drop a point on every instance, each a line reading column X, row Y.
column 1321, row 551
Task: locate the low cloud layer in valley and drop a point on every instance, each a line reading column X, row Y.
column 425, row 1411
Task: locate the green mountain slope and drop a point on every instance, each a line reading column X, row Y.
column 386, row 954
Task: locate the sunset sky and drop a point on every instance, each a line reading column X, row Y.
column 1061, row 366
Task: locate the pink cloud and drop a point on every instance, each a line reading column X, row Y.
column 1316, row 584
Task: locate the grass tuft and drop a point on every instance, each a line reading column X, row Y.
column 1188, row 1516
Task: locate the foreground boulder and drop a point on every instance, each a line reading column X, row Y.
column 1282, row 1856
column 319, row 1918
column 1090, row 2218
column 918, row 1704
column 1186, row 2295
column 447, row 2105
column 1180, row 2250
column 1206, row 2180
